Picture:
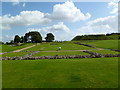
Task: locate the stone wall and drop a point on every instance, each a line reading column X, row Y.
column 115, row 50
column 60, row 57
column 85, row 44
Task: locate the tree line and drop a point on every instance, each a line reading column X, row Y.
column 32, row 37
column 112, row 36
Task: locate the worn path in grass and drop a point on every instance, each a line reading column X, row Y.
column 53, row 51
column 72, row 50
column 21, row 49
column 24, row 48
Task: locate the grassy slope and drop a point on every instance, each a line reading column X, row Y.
column 54, row 46
column 15, row 54
column 105, row 51
column 60, row 53
column 107, row 44
column 8, row 48
column 66, row 73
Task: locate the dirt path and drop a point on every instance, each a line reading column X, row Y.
column 62, row 50
column 100, row 48
column 73, row 50
column 24, row 48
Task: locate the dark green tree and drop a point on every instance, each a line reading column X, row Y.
column 1, row 42
column 26, row 38
column 11, row 42
column 50, row 37
column 22, row 39
column 17, row 39
column 33, row 37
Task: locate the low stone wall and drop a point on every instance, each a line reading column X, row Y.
column 60, row 57
column 115, row 50
column 31, row 54
column 93, row 53
column 97, row 55
column 85, row 45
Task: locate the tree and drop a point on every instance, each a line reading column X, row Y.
column 11, row 42
column 26, row 38
column 17, row 39
column 22, row 39
column 1, row 42
column 33, row 37
column 50, row 37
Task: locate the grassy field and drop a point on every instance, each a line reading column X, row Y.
column 54, row 46
column 106, row 44
column 61, row 73
column 105, row 51
column 60, row 53
column 15, row 54
column 8, row 48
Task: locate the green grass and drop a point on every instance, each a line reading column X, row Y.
column 13, row 54
column 61, row 53
column 106, row 44
column 61, row 73
column 54, row 46
column 8, row 48
column 105, row 51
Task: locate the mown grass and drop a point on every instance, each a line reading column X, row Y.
column 13, row 54
column 106, row 44
column 8, row 48
column 54, row 46
column 61, row 73
column 105, row 51
column 60, row 53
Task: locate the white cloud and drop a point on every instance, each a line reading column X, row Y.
column 15, row 2
column 62, row 12
column 68, row 12
column 109, row 20
column 25, row 18
column 100, row 26
column 54, row 28
column 58, row 27
column 114, row 6
column 6, row 38
column 60, row 31
column 24, row 4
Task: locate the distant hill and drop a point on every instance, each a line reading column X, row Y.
column 112, row 36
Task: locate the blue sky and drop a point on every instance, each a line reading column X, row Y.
column 64, row 19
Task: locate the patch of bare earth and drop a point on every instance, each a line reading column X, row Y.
column 24, row 48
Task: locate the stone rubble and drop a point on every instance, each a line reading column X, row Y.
column 29, row 56
column 60, row 57
column 85, row 44
column 115, row 50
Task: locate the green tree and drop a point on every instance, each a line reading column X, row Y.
column 50, row 37
column 11, row 42
column 17, row 39
column 22, row 39
column 1, row 42
column 33, row 37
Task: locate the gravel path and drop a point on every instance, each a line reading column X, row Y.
column 24, row 48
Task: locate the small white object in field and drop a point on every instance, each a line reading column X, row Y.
column 59, row 48
column 37, row 43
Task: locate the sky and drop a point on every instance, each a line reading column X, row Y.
column 64, row 19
